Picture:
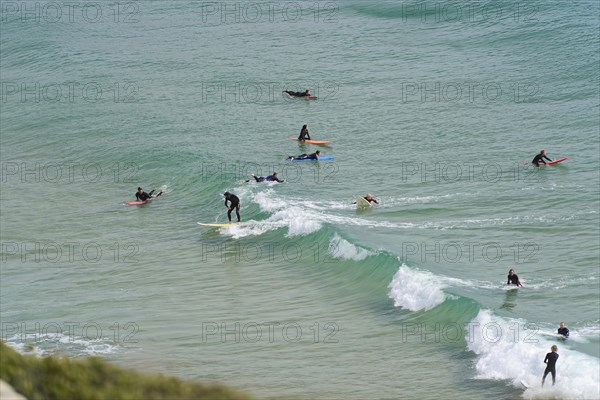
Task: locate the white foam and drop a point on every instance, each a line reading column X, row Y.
column 340, row 248
column 506, row 352
column 45, row 344
column 416, row 290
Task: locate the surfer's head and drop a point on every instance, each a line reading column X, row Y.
column 369, row 196
column 562, row 324
column 554, row 348
column 275, row 173
column 318, row 152
column 511, row 271
column 307, row 91
column 140, row 189
column 543, row 152
column 226, row 194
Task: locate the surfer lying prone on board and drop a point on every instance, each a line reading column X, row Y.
column 513, row 279
column 270, row 178
column 298, row 94
column 304, row 133
column 369, row 197
column 140, row 195
column 540, row 158
column 234, row 205
column 312, row 156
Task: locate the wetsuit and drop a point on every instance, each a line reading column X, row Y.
column 145, row 196
column 296, row 94
column 270, row 178
column 564, row 331
column 539, row 159
column 372, row 200
column 312, row 156
column 513, row 280
column 550, row 361
column 234, row 204
column 304, row 135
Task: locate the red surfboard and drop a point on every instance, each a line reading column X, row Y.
column 557, row 161
column 310, row 141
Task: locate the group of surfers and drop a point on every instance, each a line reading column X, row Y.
column 551, row 357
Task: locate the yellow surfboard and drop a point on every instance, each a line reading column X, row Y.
column 216, row 225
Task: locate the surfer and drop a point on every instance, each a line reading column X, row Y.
column 306, row 93
column 234, row 203
column 540, row 158
column 140, row 195
column 563, row 330
column 304, row 133
column 550, row 362
column 313, row 156
column 270, row 178
column 369, row 197
column 513, row 279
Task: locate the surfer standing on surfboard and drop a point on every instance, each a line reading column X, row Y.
column 234, row 204
column 540, row 158
column 513, row 279
column 304, row 133
column 550, row 362
column 140, row 195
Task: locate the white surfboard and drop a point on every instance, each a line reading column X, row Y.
column 361, row 202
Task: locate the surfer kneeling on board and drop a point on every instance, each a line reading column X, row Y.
column 270, row 178
column 550, row 362
column 513, row 279
column 234, row 203
column 563, row 330
column 304, row 133
column 312, row 156
column 140, row 195
column 306, row 93
column 540, row 158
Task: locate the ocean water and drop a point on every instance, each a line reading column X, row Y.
column 435, row 108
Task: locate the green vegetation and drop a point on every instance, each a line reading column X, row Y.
column 93, row 378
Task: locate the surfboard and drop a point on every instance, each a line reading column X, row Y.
column 302, row 97
column 524, row 384
column 216, row 225
column 310, row 141
column 136, row 203
column 323, row 158
column 557, row 161
column 361, row 202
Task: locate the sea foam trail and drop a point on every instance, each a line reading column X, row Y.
column 506, row 352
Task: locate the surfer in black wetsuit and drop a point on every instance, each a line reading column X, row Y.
column 306, row 93
column 550, row 362
column 563, row 330
column 140, row 195
column 513, row 279
column 540, row 158
column 313, row 156
column 304, row 133
column 270, row 178
column 234, row 203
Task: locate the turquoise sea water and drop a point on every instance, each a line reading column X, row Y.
column 434, row 107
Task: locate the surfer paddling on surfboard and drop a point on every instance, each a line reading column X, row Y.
column 270, row 178
column 540, row 158
column 312, row 156
column 513, row 279
column 234, row 205
column 140, row 195
column 306, row 93
column 304, row 133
